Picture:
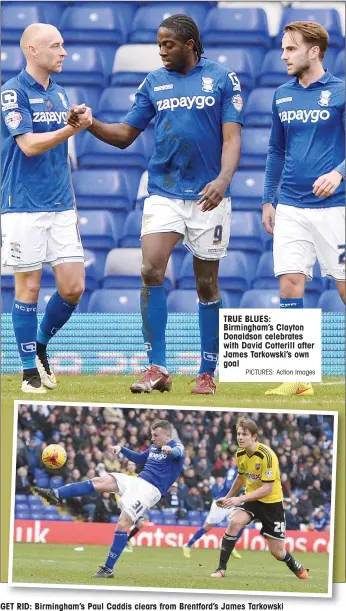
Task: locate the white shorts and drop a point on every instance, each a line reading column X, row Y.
column 136, row 495
column 205, row 234
column 32, row 238
column 218, row 514
column 303, row 234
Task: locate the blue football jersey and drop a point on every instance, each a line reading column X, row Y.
column 307, row 140
column 230, row 477
column 160, row 470
column 41, row 183
column 189, row 112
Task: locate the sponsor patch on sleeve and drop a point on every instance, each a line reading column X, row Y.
column 9, row 99
column 13, row 119
column 268, row 473
column 237, row 102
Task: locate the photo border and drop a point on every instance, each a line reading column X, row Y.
column 16, row 584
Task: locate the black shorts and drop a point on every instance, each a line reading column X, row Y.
column 271, row 515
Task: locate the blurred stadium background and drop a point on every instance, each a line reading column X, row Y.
column 303, row 443
column 111, row 47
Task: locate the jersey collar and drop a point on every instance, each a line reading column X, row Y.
column 31, row 81
column 324, row 79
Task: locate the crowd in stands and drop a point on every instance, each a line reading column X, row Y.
column 303, row 444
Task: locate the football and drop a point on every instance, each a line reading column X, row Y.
column 54, row 456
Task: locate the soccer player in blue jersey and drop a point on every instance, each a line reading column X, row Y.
column 307, row 152
column 162, row 464
column 216, row 515
column 39, row 222
column 197, row 106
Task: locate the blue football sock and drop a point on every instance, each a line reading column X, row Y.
column 154, row 317
column 24, row 319
column 57, row 313
column 77, row 489
column 198, row 534
column 291, row 303
column 119, row 542
column 209, row 331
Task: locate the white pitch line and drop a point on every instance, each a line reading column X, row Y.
column 332, row 383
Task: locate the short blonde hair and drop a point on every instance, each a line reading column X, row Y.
column 248, row 425
column 312, row 32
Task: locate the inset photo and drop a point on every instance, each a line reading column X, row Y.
column 173, row 499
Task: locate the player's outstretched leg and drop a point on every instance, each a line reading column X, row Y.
column 106, row 483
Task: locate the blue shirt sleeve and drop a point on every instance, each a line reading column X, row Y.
column 178, row 451
column 137, row 457
column 275, row 158
column 232, row 101
column 142, row 110
column 16, row 112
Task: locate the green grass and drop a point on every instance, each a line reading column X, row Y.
column 166, row 568
column 115, row 388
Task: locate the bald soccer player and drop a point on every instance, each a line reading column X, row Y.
column 39, row 222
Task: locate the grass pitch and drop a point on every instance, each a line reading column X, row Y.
column 165, row 568
column 115, row 389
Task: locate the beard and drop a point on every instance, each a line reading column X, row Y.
column 299, row 71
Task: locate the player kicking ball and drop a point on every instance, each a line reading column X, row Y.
column 162, row 464
column 307, row 152
column 258, row 470
column 197, row 106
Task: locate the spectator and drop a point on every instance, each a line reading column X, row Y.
column 305, row 507
column 320, row 520
column 194, row 500
column 316, row 495
column 22, row 481
column 292, row 519
column 206, row 495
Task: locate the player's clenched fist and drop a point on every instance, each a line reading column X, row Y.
column 166, row 450
column 115, row 449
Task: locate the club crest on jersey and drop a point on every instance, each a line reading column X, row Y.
column 257, row 466
column 63, row 101
column 13, row 119
column 207, row 84
column 324, row 97
column 237, row 102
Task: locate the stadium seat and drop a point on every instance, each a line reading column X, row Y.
column 34, row 500
column 318, row 283
column 123, row 270
column 42, row 481
column 12, row 61
column 16, row 16
column 7, row 297
column 120, row 301
column 247, row 190
column 183, row 523
column 257, row 298
column 66, row 517
column 94, row 153
column 97, row 229
column 7, row 277
column 186, row 300
column 258, row 110
column 198, row 521
column 23, row 515
column 132, row 230
column 339, row 68
column 265, row 278
column 114, row 519
column 148, row 18
column 236, row 26
column 274, row 70
column 22, row 507
column 83, row 66
column 38, row 515
column 93, row 23
column 254, row 147
column 236, row 60
column 328, row 17
column 56, row 481
column 82, row 95
column 133, row 62
column 104, row 189
column 155, row 515
column 53, row 11
column 169, row 521
column 169, row 511
column 272, row 10
column 115, row 102
column 142, row 192
column 21, row 498
column 246, row 232
column 330, row 301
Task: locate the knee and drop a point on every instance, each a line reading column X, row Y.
column 292, row 286
column 72, row 292
column 124, row 523
column 207, row 288
column 152, row 275
column 28, row 288
column 233, row 528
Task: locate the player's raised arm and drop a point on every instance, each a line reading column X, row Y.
column 139, row 458
column 274, row 166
